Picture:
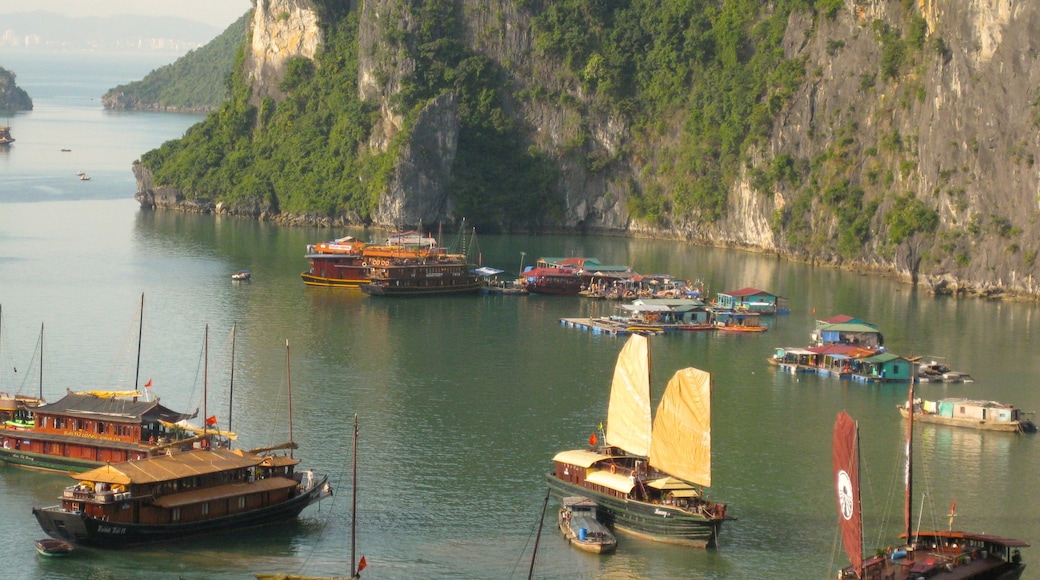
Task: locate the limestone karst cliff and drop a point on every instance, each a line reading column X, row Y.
column 906, row 146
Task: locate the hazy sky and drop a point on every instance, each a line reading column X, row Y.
column 219, row 13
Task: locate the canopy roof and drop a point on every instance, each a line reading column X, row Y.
column 170, row 467
column 223, row 492
column 616, row 481
column 580, row 457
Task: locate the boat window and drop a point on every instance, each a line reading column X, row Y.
column 176, row 516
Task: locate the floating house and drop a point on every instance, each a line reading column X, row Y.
column 853, row 334
column 677, row 313
column 751, row 300
column 884, row 367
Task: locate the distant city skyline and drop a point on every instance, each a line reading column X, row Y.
column 219, row 13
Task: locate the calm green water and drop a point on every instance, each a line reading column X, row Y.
column 464, row 400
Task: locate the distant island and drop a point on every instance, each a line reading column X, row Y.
column 197, row 82
column 12, row 97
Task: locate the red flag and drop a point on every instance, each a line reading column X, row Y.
column 211, row 420
column 362, row 564
column 149, row 383
column 592, row 440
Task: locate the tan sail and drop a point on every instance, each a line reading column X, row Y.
column 628, row 413
column 682, row 429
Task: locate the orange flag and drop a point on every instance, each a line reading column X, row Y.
column 149, row 383
column 362, row 564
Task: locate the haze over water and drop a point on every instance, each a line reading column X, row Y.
column 462, row 401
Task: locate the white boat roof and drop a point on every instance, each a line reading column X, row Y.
column 615, row 481
column 580, row 457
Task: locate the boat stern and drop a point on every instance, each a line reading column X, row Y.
column 62, row 524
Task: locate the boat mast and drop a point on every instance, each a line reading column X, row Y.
column 538, row 536
column 41, row 361
column 288, row 378
column 353, row 507
column 908, row 500
column 140, row 329
column 231, row 394
column 205, row 382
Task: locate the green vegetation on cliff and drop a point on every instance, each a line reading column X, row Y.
column 299, row 156
column 705, row 64
column 12, row 97
column 196, row 81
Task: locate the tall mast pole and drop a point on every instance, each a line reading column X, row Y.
column 908, row 500
column 140, row 332
column 205, row 382
column 231, row 394
column 353, row 508
column 41, row 361
column 288, row 375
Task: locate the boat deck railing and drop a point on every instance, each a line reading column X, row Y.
column 77, row 493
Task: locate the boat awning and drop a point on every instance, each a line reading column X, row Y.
column 669, row 483
column 580, row 457
column 192, row 463
column 645, row 308
column 223, row 492
column 614, row 481
column 486, row 271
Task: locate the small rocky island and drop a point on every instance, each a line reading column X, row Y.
column 12, row 97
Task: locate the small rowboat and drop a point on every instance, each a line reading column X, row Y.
column 582, row 529
column 241, row 275
column 51, row 548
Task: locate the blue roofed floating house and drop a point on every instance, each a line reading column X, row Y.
column 854, row 334
column 752, row 300
column 883, row 367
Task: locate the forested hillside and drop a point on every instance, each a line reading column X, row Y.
column 195, row 82
column 12, row 97
column 881, row 135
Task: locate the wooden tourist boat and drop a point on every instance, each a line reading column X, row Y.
column 53, row 548
column 985, row 415
column 85, row 430
column 448, row 274
column 412, row 264
column 5, row 136
column 178, row 495
column 339, row 263
column 578, row 522
column 648, row 478
column 937, row 555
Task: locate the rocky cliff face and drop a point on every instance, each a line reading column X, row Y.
column 281, row 29
column 958, row 130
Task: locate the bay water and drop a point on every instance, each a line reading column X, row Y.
column 462, row 401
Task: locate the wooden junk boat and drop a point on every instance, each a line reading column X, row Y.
column 178, row 495
column 649, row 477
column 88, row 429
column 579, row 524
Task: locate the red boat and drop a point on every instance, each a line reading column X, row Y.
column 552, row 281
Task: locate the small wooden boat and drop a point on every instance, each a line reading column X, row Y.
column 241, row 275
column 51, row 547
column 582, row 529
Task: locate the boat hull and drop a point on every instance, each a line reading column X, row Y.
column 80, row 529
column 324, row 282
column 414, row 290
column 1005, row 426
column 656, row 522
column 44, row 462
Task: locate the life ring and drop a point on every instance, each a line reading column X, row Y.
column 613, row 468
column 7, row 444
column 364, row 264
